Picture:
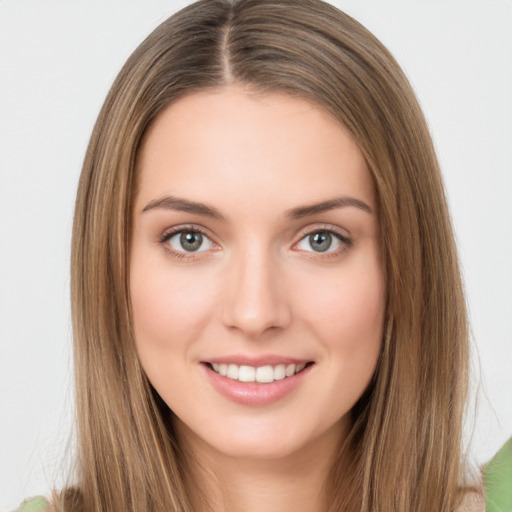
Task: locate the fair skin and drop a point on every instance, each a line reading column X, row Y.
column 252, row 278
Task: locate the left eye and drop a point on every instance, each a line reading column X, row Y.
column 189, row 241
column 320, row 241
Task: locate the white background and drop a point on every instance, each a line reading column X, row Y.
column 57, row 61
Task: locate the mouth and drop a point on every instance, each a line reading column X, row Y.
column 258, row 374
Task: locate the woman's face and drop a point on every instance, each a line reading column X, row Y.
column 256, row 280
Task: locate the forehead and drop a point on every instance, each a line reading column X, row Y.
column 232, row 143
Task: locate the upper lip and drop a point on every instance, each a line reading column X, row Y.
column 256, row 361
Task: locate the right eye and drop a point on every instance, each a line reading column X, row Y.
column 188, row 241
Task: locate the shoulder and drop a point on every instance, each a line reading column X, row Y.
column 38, row 504
column 497, row 479
column 473, row 502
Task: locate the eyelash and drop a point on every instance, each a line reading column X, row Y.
column 345, row 241
column 175, row 231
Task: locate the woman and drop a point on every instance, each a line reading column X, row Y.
column 267, row 304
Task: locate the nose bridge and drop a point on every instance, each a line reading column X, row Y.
column 255, row 299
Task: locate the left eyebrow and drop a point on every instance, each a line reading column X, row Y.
column 324, row 206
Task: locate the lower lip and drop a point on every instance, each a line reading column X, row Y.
column 255, row 393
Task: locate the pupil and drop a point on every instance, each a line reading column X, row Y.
column 191, row 241
column 320, row 241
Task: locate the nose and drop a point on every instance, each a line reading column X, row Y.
column 255, row 301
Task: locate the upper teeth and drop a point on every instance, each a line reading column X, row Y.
column 263, row 374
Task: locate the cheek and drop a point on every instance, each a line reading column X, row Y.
column 352, row 300
column 347, row 315
column 168, row 306
column 348, row 320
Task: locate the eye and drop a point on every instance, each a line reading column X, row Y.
column 188, row 241
column 322, row 241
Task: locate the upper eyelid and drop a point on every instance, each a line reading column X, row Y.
column 191, row 256
column 344, row 239
column 303, row 232
column 290, row 236
column 342, row 233
column 169, row 232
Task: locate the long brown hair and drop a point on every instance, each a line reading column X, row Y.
column 406, row 433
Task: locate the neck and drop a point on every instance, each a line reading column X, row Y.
column 295, row 482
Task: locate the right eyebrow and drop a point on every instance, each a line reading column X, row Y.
column 182, row 205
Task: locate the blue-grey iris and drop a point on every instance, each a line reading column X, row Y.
column 191, row 241
column 320, row 241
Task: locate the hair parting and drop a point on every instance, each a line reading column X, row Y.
column 403, row 452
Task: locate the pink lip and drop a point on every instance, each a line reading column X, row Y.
column 254, row 393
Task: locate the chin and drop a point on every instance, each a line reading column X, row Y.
column 261, row 440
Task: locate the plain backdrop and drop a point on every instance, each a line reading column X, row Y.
column 57, row 61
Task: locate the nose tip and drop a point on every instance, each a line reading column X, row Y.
column 256, row 301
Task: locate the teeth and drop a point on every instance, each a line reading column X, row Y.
column 265, row 374
column 279, row 372
column 232, row 371
column 247, row 374
column 290, row 370
column 262, row 374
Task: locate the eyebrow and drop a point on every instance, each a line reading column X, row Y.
column 184, row 205
column 324, row 206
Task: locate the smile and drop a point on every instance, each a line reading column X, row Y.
column 256, row 382
column 261, row 374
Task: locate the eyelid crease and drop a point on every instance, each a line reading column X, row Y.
column 344, row 241
column 194, row 228
column 188, row 228
column 188, row 256
column 329, row 228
